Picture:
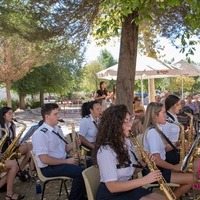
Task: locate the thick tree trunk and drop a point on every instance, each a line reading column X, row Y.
column 41, row 98
column 8, row 94
column 22, row 103
column 127, row 62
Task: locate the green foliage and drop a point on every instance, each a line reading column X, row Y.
column 177, row 83
column 15, row 104
column 106, row 59
column 90, row 82
column 32, row 103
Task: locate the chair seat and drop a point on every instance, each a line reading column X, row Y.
column 45, row 179
column 91, row 178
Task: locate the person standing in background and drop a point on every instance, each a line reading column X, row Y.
column 113, row 94
column 102, row 93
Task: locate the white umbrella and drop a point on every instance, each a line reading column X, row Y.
column 146, row 67
column 187, row 69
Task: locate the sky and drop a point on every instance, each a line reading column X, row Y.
column 93, row 51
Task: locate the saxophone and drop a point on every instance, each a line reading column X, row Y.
column 191, row 129
column 181, row 139
column 152, row 167
column 12, row 151
column 79, row 152
column 2, row 141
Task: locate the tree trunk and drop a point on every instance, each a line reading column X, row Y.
column 127, row 62
column 9, row 101
column 22, row 103
column 41, row 98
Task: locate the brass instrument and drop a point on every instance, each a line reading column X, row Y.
column 12, row 150
column 2, row 141
column 190, row 157
column 191, row 129
column 181, row 139
column 152, row 167
column 79, row 152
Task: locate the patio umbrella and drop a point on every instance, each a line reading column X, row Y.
column 186, row 69
column 146, row 68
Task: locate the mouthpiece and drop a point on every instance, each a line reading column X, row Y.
column 14, row 119
column 61, row 120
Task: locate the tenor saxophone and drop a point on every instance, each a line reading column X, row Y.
column 12, row 151
column 181, row 139
column 152, row 167
column 2, row 141
column 79, row 152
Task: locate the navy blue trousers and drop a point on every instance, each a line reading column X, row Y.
column 104, row 194
column 73, row 171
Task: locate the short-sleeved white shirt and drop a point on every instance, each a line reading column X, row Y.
column 171, row 130
column 88, row 129
column 46, row 142
column 153, row 143
column 107, row 162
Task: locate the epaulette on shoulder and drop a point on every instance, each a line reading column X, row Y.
column 88, row 116
column 59, row 126
column 44, row 130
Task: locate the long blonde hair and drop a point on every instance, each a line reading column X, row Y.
column 152, row 110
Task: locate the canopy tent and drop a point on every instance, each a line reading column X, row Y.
column 146, row 68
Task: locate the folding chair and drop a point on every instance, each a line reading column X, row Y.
column 45, row 180
column 91, row 178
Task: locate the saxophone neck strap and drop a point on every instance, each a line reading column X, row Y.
column 166, row 139
column 171, row 116
column 60, row 137
column 139, row 165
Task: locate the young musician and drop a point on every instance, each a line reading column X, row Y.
column 51, row 152
column 114, row 155
column 89, row 123
column 11, row 170
column 154, row 143
column 6, row 121
column 171, row 129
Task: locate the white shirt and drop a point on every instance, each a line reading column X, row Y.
column 153, row 143
column 88, row 128
column 107, row 162
column 46, row 142
column 171, row 130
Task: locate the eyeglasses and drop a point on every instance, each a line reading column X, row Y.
column 128, row 121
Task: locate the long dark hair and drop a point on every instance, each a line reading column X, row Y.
column 110, row 132
column 3, row 111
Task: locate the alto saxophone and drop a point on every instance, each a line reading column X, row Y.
column 191, row 129
column 181, row 139
column 2, row 141
column 12, row 150
column 152, row 167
